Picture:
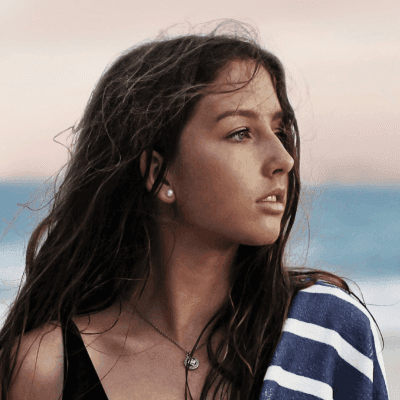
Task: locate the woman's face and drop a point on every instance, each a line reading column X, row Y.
column 230, row 158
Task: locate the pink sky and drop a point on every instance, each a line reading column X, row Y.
column 342, row 57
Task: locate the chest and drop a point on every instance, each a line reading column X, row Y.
column 154, row 373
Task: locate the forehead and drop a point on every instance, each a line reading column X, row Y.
column 259, row 93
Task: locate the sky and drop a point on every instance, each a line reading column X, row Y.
column 342, row 59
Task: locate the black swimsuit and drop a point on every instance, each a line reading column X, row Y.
column 81, row 382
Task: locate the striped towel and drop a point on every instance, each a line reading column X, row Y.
column 330, row 349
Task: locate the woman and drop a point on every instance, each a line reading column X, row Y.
column 161, row 272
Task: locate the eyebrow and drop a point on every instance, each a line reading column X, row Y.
column 249, row 114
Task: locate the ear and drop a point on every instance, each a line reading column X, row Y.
column 155, row 166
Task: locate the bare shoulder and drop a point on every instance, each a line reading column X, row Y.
column 40, row 365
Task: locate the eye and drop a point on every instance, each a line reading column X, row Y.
column 240, row 135
column 282, row 134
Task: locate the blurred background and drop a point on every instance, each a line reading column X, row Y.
column 342, row 59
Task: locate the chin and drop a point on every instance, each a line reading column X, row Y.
column 262, row 240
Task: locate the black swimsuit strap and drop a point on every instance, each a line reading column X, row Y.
column 80, row 377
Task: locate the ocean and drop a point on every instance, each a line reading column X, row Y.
column 353, row 231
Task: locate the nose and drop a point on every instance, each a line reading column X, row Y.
column 277, row 161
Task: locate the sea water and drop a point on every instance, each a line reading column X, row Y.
column 352, row 231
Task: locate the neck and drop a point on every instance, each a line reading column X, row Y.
column 188, row 284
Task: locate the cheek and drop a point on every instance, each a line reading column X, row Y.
column 217, row 194
column 206, row 181
column 215, row 187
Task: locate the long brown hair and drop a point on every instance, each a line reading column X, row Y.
column 97, row 237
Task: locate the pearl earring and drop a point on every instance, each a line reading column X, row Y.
column 170, row 193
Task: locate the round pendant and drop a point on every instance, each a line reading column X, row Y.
column 191, row 362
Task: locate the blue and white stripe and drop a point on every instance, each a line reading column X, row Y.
column 328, row 350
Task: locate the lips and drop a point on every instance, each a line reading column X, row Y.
column 275, row 196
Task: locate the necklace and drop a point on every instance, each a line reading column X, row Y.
column 189, row 362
